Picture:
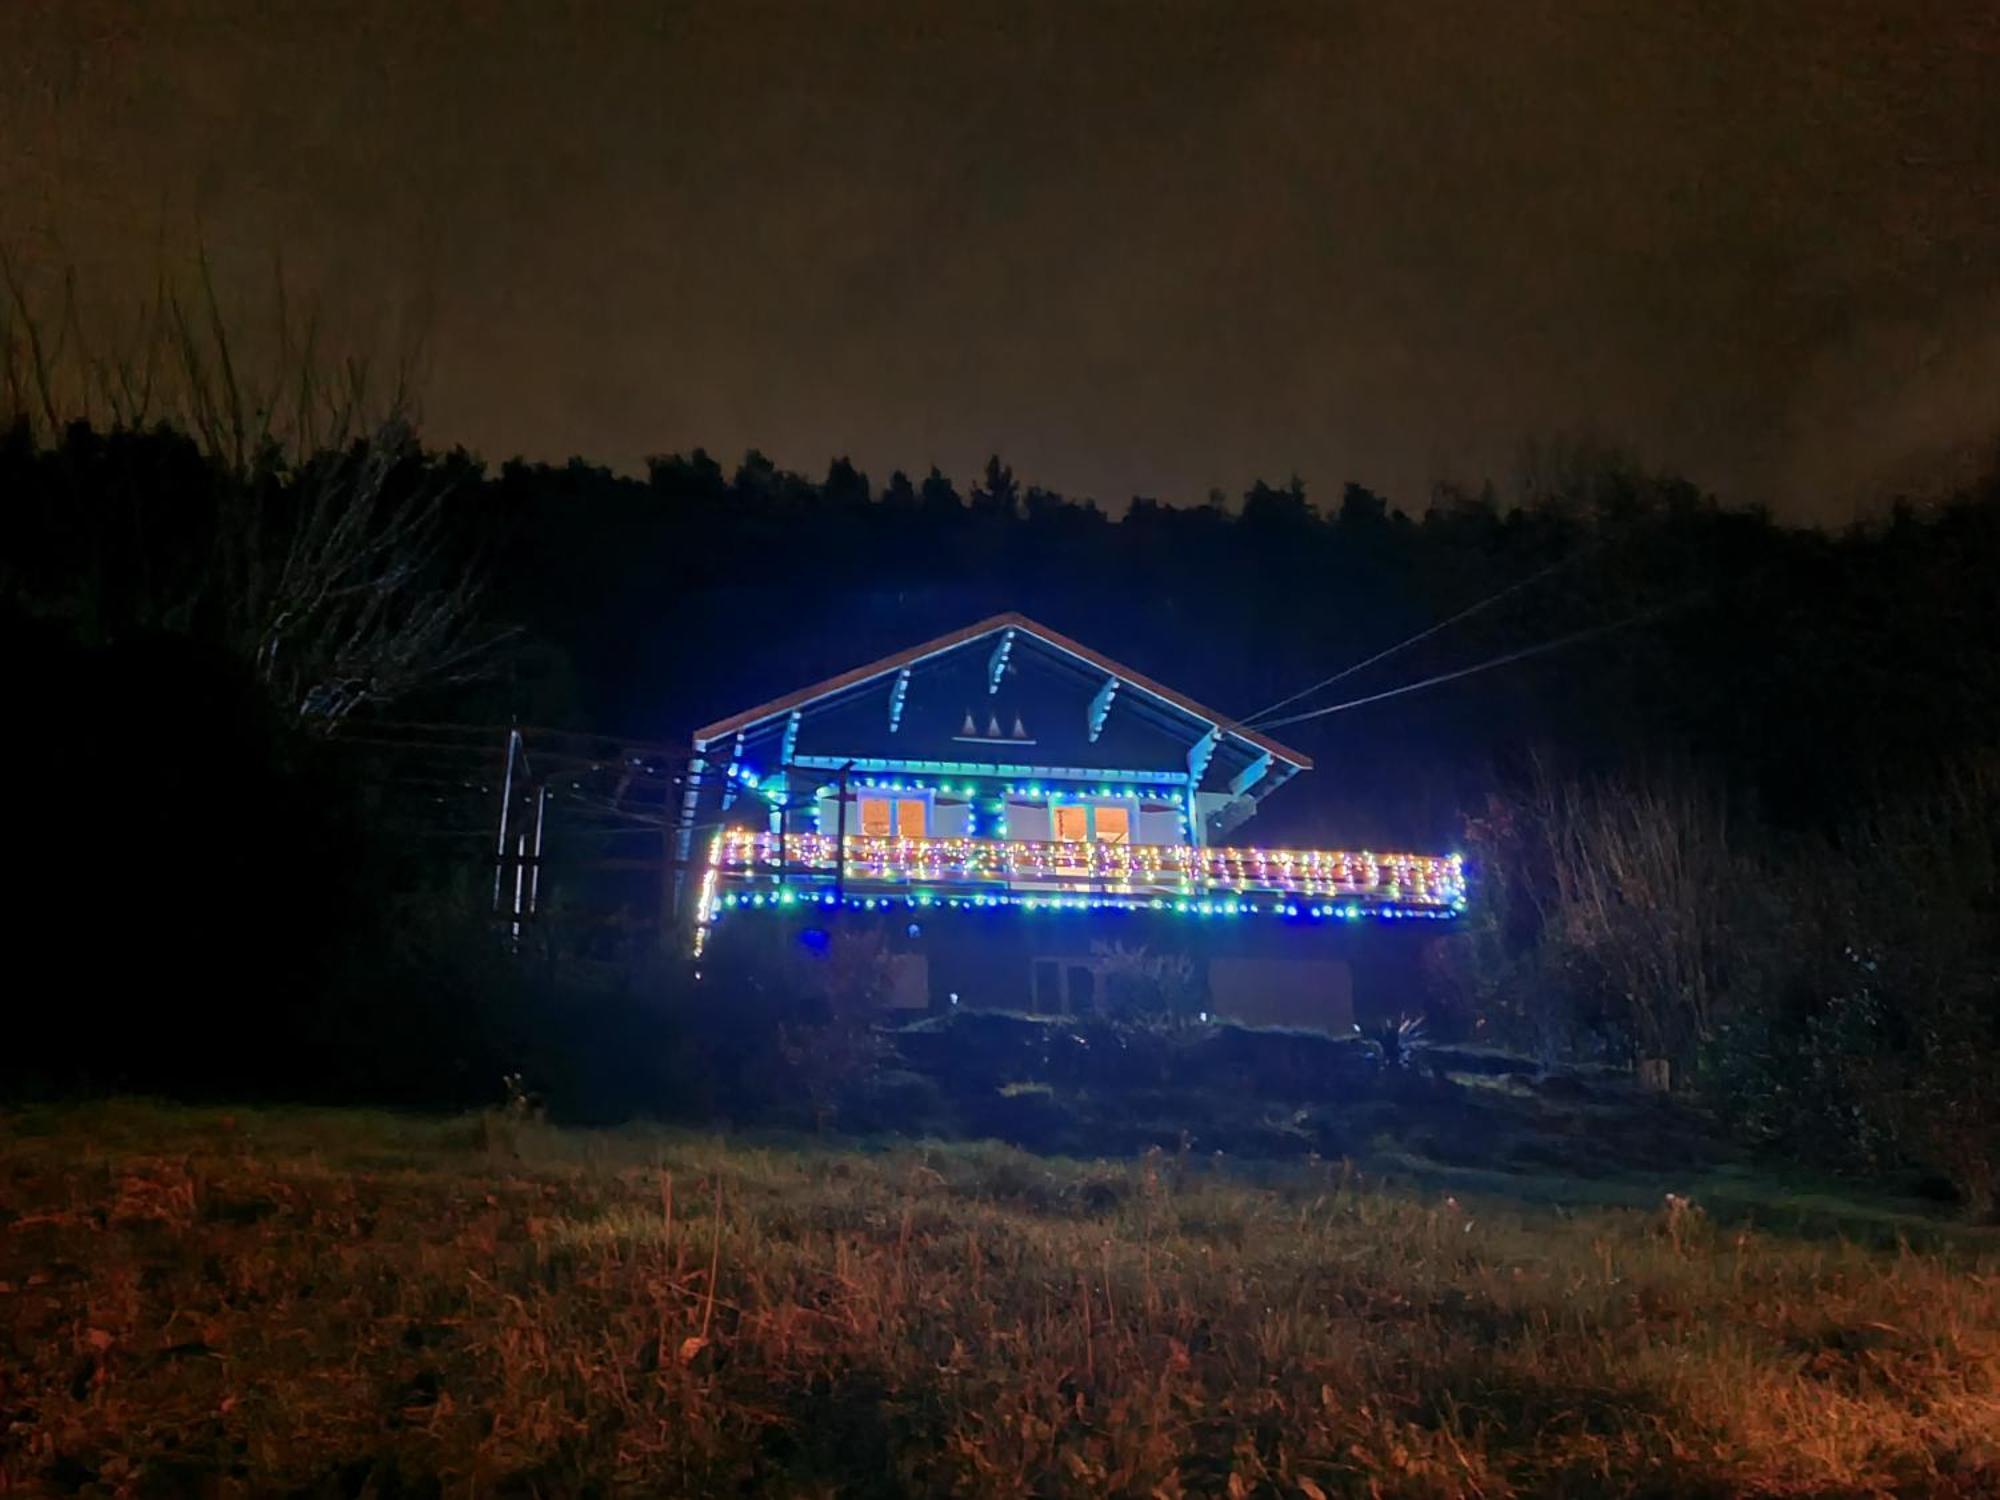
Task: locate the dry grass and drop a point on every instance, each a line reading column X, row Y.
column 341, row 1303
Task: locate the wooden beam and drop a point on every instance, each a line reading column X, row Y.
column 1250, row 775
column 1100, row 707
column 1200, row 753
column 1281, row 773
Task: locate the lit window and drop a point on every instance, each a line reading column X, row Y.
column 1114, row 825
column 1072, row 824
column 875, row 816
column 910, row 817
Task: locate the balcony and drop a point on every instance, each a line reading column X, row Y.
column 752, row 869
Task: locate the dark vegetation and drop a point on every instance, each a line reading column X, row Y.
column 1748, row 829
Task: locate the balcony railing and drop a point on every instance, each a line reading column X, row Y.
column 748, row 867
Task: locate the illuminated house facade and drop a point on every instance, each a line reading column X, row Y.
column 1009, row 807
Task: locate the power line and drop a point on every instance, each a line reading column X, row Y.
column 1421, row 635
column 1498, row 661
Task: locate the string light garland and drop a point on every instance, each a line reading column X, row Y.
column 1349, row 911
column 885, row 872
column 1315, row 884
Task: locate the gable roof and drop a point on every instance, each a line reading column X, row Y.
column 1010, row 620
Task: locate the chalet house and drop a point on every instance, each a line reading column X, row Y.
column 1019, row 816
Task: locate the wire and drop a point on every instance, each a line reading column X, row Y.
column 1498, row 661
column 1424, row 634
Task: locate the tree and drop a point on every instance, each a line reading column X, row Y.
column 939, row 498
column 756, row 477
column 999, row 495
column 349, row 584
column 696, row 477
column 306, row 532
column 845, row 485
column 1267, row 507
column 1360, row 507
column 899, row 495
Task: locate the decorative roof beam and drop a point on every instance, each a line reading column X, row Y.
column 1281, row 773
column 1100, row 707
column 1250, row 775
column 896, row 696
column 996, row 667
column 1200, row 753
column 788, row 747
column 729, row 780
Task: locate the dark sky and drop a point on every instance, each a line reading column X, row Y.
column 1135, row 248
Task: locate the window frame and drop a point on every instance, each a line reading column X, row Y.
column 1121, row 813
column 896, row 803
column 1090, row 808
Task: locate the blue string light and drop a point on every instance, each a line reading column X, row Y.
column 1349, row 912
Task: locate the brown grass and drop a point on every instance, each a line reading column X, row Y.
column 194, row 1302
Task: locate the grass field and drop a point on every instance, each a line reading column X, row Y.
column 342, row 1303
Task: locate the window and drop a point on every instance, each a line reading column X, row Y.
column 882, row 816
column 1079, row 823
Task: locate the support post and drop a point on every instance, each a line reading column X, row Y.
column 840, row 840
column 520, row 870
column 784, row 818
column 535, row 875
column 670, row 873
column 506, row 812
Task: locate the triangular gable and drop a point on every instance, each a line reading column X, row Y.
column 899, row 661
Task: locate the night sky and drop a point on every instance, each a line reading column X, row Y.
column 1134, row 248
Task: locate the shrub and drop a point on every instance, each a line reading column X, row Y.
column 1142, row 985
column 1887, row 1055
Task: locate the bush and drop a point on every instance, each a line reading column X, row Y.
column 1831, row 998
column 1887, row 1055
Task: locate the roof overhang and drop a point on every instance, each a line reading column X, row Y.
column 1221, row 725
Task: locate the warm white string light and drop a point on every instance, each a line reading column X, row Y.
column 1409, row 879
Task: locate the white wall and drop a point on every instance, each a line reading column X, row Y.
column 1028, row 819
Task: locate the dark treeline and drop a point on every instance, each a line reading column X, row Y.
column 1809, row 672
column 1777, row 700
